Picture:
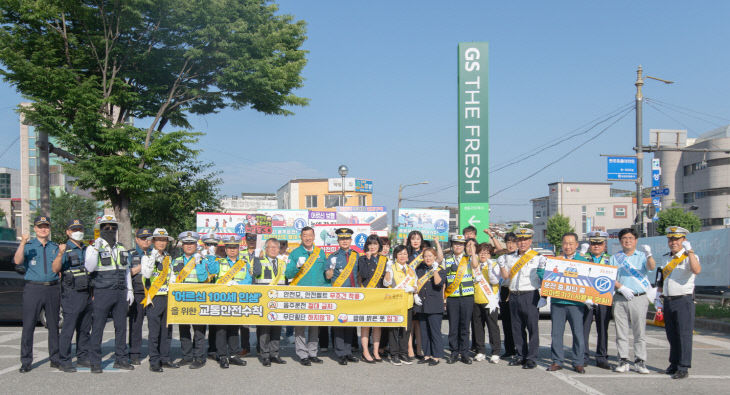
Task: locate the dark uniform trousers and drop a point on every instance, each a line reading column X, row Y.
column 343, row 340
column 76, row 318
column 136, row 319
column 397, row 337
column 679, row 318
column 227, row 342
column 35, row 298
column 106, row 300
column 480, row 317
column 509, row 343
column 602, row 316
column 432, row 342
column 245, row 338
column 525, row 316
column 460, row 310
column 160, row 334
column 192, row 347
column 268, row 338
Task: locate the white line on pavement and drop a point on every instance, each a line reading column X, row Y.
column 711, row 341
column 645, row 376
column 586, row 389
column 10, row 369
column 12, row 336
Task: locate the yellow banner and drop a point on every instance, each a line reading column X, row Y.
column 216, row 304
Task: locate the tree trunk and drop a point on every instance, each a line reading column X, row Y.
column 120, row 203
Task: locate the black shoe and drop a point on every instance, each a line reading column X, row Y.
column 603, row 365
column 213, row 356
column 171, row 365
column 156, row 368
column 681, row 374
column 278, row 360
column 395, row 360
column 352, row 358
column 465, row 359
column 371, row 361
column 672, row 369
column 96, row 369
column 507, row 356
column 83, row 364
column 315, row 360
column 123, row 366
column 135, row 361
column 453, row 359
column 235, row 360
column 24, row 369
column 197, row 364
column 56, row 365
column 68, row 369
column 424, row 360
column 420, row 357
column 185, row 361
column 223, row 362
column 342, row 361
column 529, row 364
column 432, row 362
column 266, row 362
column 516, row 361
column 305, row 362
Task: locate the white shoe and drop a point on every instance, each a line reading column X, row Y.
column 640, row 367
column 494, row 359
column 623, row 367
column 480, row 357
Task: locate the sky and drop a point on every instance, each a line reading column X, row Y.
column 381, row 79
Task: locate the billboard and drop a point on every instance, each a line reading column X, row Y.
column 621, row 168
column 322, row 217
column 325, row 237
column 225, row 224
column 376, row 216
column 431, row 223
column 351, row 185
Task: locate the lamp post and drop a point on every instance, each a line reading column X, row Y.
column 343, row 173
column 400, row 198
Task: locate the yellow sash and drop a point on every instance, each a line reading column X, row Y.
column 521, row 263
column 414, row 263
column 673, row 265
column 378, row 272
column 186, row 270
column 423, row 280
column 459, row 275
column 159, row 281
column 345, row 273
column 307, row 265
column 224, row 279
column 410, row 276
column 279, row 274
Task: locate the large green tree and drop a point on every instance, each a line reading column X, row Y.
column 676, row 216
column 67, row 206
column 557, row 226
column 92, row 67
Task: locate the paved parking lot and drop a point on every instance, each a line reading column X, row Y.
column 710, row 372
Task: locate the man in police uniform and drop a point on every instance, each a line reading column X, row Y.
column 510, row 245
column 75, row 297
column 596, row 253
column 678, row 287
column 41, row 290
column 108, row 263
column 250, row 255
column 211, row 247
column 460, row 302
column 340, row 263
column 520, row 268
column 271, row 273
column 142, row 248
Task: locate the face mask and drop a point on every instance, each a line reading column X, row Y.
column 77, row 236
column 110, row 236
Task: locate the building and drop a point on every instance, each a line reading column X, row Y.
column 324, row 193
column 10, row 198
column 698, row 179
column 588, row 205
column 249, row 201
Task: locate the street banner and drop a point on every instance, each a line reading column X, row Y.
column 287, row 224
column 322, row 217
column 376, row 216
column 576, row 280
column 326, row 239
column 431, row 223
column 351, row 185
column 218, row 304
column 621, row 168
column 223, row 224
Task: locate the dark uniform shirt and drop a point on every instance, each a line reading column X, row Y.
column 38, row 259
column 340, row 258
column 366, row 270
column 432, row 297
column 135, row 259
column 73, row 260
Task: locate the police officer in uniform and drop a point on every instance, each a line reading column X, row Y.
column 338, row 262
column 524, row 296
column 41, row 290
column 596, row 253
column 271, row 272
column 75, row 297
column 460, row 303
column 510, row 245
column 211, row 251
column 143, row 247
column 678, row 274
column 154, row 266
column 108, row 263
column 250, row 254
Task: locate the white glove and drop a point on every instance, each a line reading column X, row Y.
column 130, row 297
column 99, row 243
column 658, row 302
column 435, row 265
column 300, row 261
column 410, row 289
column 647, row 250
column 198, row 257
column 211, row 250
column 501, row 264
column 232, row 282
column 333, row 263
column 542, row 303
column 417, row 300
column 626, row 292
column 389, row 267
column 687, row 246
column 584, row 248
column 589, row 303
column 154, row 255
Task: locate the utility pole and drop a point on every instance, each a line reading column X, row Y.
column 43, row 174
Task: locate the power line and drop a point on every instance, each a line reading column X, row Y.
column 652, row 105
column 688, row 109
column 9, row 147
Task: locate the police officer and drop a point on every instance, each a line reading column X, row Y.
column 342, row 271
column 271, row 273
column 211, row 253
column 250, row 254
column 191, row 268
column 108, row 263
column 142, row 248
column 75, row 297
column 678, row 293
column 459, row 295
column 157, row 272
column 520, row 268
column 510, row 245
column 41, row 290
column 596, row 253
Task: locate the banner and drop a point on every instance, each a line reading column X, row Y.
column 376, row 216
column 432, row 223
column 351, row 185
column 326, row 239
column 222, row 224
column 576, row 280
column 215, row 304
column 287, row 224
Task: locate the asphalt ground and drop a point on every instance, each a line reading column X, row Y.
column 710, row 373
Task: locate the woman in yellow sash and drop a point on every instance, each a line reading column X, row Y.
column 370, row 274
column 430, row 311
column 486, row 305
column 415, row 246
column 404, row 277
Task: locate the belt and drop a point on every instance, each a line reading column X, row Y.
column 54, row 282
column 522, row 292
column 677, row 296
column 639, row 294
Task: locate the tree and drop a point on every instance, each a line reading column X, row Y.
column 557, row 226
column 67, row 206
column 90, row 67
column 676, row 216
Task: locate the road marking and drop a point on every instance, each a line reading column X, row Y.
column 711, row 341
column 10, row 369
column 646, row 376
column 12, row 336
column 584, row 388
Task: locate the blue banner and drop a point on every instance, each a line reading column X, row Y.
column 621, row 168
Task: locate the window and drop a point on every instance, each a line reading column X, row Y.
column 311, row 201
column 600, row 211
column 5, row 186
column 619, row 211
column 362, row 200
column 332, row 200
column 688, row 197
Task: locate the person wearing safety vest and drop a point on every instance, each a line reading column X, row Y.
column 108, row 262
column 142, row 243
column 306, row 267
column 486, row 305
column 75, row 298
column 342, row 271
column 191, row 268
column 157, row 271
column 212, row 252
column 233, row 269
column 596, row 253
column 271, row 273
column 459, row 295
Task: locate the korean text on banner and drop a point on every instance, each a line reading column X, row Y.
column 578, row 281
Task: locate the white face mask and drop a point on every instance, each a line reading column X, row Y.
column 77, row 236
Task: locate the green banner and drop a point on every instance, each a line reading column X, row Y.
column 473, row 138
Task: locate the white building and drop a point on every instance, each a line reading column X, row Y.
column 249, row 201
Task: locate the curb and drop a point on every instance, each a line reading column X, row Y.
column 713, row 325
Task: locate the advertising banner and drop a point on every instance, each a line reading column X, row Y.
column 287, row 224
column 322, row 217
column 351, row 185
column 214, row 304
column 325, row 237
column 576, row 280
column 222, row 224
column 376, row 216
column 432, row 223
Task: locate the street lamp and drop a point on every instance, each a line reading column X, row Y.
column 400, row 198
column 343, row 173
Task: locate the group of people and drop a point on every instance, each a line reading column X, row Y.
column 93, row 281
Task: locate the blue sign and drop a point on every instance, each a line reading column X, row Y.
column 363, row 185
column 360, row 240
column 655, row 178
column 241, row 229
column 441, row 226
column 603, row 284
column 621, row 168
column 660, row 192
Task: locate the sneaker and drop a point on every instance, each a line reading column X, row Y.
column 480, row 357
column 640, row 367
column 623, row 366
column 407, row 360
column 395, row 360
column 494, row 359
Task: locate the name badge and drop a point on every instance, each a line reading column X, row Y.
column 302, row 260
column 33, row 262
column 105, row 254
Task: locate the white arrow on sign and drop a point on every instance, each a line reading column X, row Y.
column 473, row 220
